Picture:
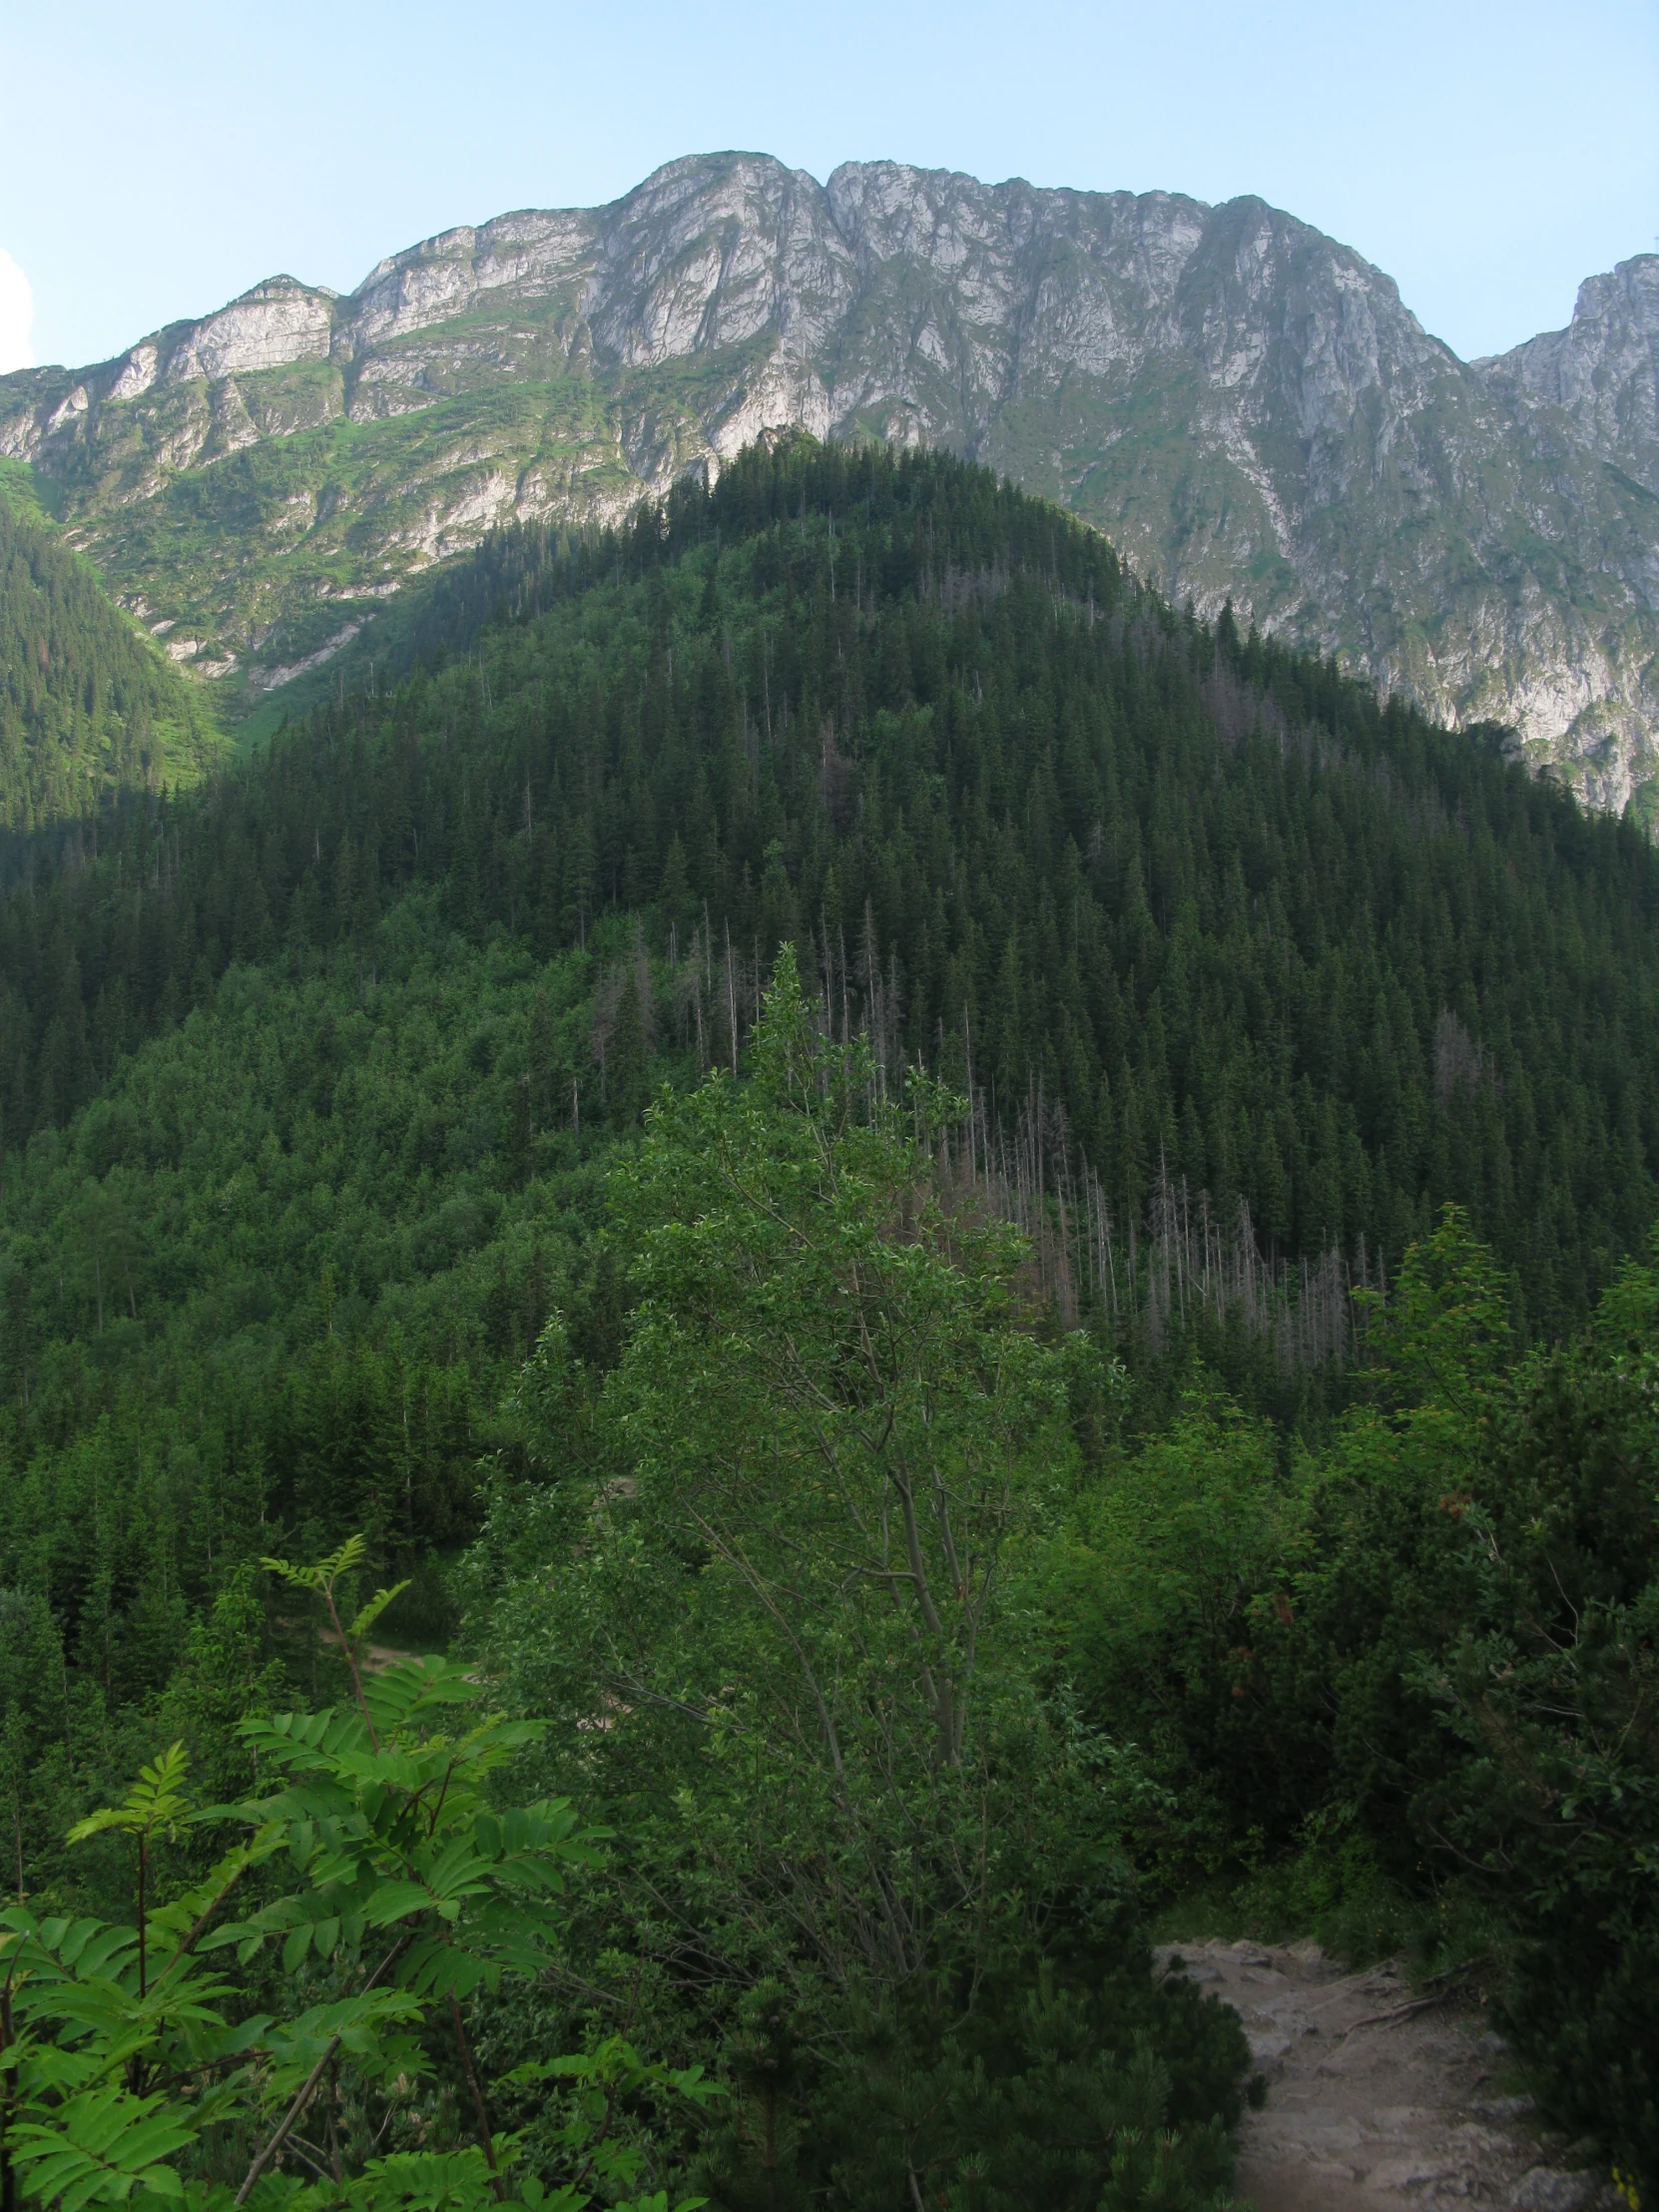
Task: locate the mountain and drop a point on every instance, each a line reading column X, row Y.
column 1603, row 371
column 88, row 704
column 1244, row 406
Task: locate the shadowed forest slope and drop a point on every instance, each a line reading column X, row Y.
column 1250, row 930
column 89, row 707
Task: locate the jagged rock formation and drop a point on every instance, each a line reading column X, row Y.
column 1603, row 370
column 1243, row 405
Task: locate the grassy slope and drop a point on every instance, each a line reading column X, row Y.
column 103, row 709
column 276, row 542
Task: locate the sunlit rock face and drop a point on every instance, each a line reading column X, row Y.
column 1244, row 406
column 1604, row 369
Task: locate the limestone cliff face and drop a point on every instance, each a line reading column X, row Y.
column 1602, row 372
column 1243, row 405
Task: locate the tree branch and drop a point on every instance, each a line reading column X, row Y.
column 309, row 2088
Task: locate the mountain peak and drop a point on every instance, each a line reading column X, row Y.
column 1602, row 371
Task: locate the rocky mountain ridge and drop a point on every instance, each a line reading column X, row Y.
column 1243, row 405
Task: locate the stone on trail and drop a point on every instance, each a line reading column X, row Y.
column 1374, row 2096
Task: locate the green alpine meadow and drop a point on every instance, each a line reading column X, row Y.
column 782, row 1283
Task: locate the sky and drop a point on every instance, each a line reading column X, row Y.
column 156, row 161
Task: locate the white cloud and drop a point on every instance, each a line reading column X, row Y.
column 17, row 316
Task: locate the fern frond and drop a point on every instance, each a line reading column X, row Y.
column 371, row 1612
column 324, row 1573
column 155, row 1802
column 99, row 2148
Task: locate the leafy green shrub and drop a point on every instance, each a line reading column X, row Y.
column 1553, row 1696
column 1111, row 2094
column 1444, row 1635
column 142, row 2060
column 766, row 1584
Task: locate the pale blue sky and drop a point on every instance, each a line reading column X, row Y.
column 156, row 160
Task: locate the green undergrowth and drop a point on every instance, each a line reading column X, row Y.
column 1343, row 1901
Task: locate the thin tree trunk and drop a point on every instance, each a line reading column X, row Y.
column 478, row 2104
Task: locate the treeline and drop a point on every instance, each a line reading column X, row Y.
column 88, row 709
column 1256, row 931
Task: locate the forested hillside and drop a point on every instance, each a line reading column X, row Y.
column 1246, row 926
column 87, row 707
column 1011, row 1438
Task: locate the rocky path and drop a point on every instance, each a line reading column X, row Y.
column 1376, row 2096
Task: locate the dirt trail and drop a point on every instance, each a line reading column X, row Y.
column 1374, row 2098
